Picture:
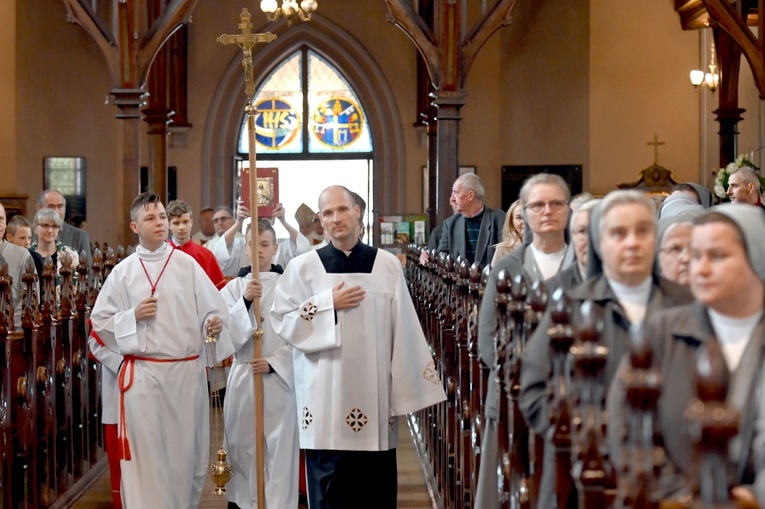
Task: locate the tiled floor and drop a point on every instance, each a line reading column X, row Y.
column 412, row 492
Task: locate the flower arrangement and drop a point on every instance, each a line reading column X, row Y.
column 723, row 175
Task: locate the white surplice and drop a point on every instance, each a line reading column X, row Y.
column 166, row 407
column 354, row 376
column 280, row 415
column 110, row 391
column 233, row 257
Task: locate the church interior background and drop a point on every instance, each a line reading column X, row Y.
column 585, row 83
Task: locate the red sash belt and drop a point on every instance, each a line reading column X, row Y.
column 126, row 381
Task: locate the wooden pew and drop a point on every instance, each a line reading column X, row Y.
column 46, row 421
column 6, row 329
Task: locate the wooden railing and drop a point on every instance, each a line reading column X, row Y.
column 51, row 440
column 448, row 295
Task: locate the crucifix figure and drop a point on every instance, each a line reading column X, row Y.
column 246, row 40
column 656, row 144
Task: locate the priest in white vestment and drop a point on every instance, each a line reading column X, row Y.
column 275, row 366
column 361, row 360
column 156, row 308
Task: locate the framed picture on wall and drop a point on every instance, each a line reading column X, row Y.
column 514, row 176
column 68, row 175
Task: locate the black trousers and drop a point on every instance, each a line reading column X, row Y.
column 351, row 479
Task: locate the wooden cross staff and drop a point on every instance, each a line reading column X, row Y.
column 246, row 40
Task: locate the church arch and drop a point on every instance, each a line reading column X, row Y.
column 222, row 127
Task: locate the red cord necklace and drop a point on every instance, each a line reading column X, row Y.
column 155, row 283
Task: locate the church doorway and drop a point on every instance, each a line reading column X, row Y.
column 302, row 181
column 311, row 126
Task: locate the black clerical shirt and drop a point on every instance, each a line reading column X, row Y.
column 360, row 261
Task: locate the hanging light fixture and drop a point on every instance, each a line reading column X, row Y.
column 709, row 80
column 289, row 9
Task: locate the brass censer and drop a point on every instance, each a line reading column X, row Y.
column 221, row 470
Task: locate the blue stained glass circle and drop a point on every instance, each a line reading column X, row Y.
column 337, row 122
column 276, row 123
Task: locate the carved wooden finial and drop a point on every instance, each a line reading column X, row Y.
column 537, row 297
column 504, row 282
column 475, row 278
column 590, row 324
column 98, row 256
column 463, row 274
column 712, row 375
column 485, row 276
column 518, row 290
column 712, row 423
column 560, row 307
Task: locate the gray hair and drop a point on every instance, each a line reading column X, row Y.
column 624, row 197
column 749, row 176
column 47, row 215
column 584, row 207
column 472, row 182
column 543, row 178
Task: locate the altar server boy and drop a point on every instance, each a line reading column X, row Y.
column 275, row 366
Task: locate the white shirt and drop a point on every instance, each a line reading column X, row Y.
column 548, row 263
column 633, row 299
column 733, row 334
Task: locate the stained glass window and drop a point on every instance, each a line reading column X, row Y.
column 333, row 122
column 280, row 110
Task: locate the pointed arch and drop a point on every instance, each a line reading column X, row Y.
column 364, row 76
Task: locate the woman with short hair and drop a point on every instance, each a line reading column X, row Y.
column 47, row 226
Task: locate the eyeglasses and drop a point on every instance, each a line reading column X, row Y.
column 675, row 250
column 48, row 226
column 538, row 206
column 221, row 219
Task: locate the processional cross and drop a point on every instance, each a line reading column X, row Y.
column 246, row 40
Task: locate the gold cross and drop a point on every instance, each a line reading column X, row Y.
column 246, row 40
column 656, row 144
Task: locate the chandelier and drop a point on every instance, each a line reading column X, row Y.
column 289, row 9
column 711, row 79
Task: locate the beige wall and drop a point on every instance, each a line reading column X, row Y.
column 544, row 83
column 639, row 86
column 566, row 83
column 481, row 140
column 8, row 183
column 61, row 85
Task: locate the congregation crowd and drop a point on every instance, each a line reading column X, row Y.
column 343, row 353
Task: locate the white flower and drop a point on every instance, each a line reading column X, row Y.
column 720, row 190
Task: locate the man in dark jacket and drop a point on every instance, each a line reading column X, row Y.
column 474, row 230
